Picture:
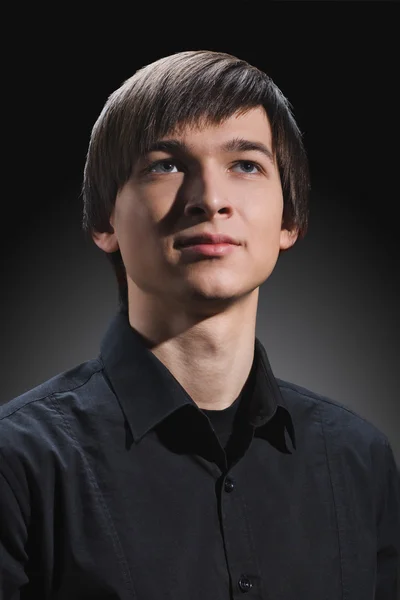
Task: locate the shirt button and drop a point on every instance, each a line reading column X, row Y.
column 244, row 584
column 228, row 485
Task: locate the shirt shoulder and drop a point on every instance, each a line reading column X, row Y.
column 33, row 422
column 66, row 381
column 341, row 425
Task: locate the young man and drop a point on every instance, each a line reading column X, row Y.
column 175, row 465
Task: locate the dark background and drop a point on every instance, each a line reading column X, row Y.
column 328, row 315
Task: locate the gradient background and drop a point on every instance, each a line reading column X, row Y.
column 328, row 315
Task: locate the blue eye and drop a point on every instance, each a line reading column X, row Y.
column 248, row 167
column 162, row 166
column 167, row 166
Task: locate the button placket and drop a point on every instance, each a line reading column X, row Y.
column 239, row 551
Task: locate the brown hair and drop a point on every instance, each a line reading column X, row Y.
column 187, row 88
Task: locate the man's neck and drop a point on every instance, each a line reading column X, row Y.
column 210, row 357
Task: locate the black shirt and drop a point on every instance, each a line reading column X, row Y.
column 115, row 485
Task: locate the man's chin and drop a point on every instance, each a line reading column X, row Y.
column 209, row 301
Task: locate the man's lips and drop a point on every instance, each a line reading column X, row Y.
column 196, row 240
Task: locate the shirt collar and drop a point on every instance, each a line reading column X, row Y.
column 148, row 392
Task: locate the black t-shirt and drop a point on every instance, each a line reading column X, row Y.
column 229, row 422
column 223, row 421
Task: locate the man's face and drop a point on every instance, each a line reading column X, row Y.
column 201, row 184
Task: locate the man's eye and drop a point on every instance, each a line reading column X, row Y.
column 247, row 166
column 162, row 166
column 166, row 166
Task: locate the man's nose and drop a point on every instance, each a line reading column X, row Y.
column 207, row 192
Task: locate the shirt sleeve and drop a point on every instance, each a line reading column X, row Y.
column 388, row 555
column 13, row 535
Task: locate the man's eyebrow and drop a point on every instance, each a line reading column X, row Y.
column 243, row 145
column 167, row 146
column 234, row 145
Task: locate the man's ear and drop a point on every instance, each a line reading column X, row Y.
column 288, row 238
column 106, row 241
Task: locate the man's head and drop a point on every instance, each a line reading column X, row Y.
column 231, row 161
